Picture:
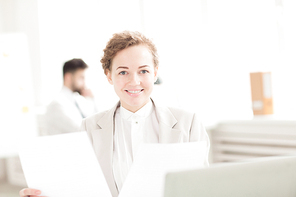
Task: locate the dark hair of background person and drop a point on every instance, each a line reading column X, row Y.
column 72, row 65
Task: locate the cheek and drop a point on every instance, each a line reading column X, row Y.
column 118, row 84
column 148, row 81
column 79, row 82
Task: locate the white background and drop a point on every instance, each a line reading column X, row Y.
column 207, row 48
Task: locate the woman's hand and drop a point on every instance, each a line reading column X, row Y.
column 30, row 192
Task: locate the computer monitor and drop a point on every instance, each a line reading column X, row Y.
column 271, row 176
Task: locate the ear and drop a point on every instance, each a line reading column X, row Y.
column 155, row 73
column 109, row 77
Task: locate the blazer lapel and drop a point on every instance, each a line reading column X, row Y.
column 103, row 139
column 167, row 121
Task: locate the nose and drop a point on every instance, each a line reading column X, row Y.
column 134, row 80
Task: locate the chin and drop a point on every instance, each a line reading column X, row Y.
column 135, row 103
column 138, row 103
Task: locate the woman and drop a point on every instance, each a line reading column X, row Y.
column 130, row 63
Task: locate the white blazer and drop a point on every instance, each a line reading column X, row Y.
column 175, row 126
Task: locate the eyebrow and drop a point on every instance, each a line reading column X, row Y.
column 144, row 66
column 124, row 67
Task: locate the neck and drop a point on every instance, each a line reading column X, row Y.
column 133, row 109
column 68, row 86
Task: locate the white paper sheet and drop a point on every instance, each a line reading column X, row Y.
column 147, row 175
column 62, row 166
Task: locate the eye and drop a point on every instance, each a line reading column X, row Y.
column 123, row 73
column 144, row 71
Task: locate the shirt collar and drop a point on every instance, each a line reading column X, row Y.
column 142, row 113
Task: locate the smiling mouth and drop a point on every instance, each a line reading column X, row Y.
column 134, row 91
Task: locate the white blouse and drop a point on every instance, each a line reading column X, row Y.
column 132, row 129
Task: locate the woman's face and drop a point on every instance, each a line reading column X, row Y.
column 133, row 76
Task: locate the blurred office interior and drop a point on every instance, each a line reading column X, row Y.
column 207, row 50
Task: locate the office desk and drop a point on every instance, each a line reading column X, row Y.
column 10, row 166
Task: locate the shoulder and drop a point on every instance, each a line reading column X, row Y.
column 172, row 115
column 58, row 100
column 188, row 121
column 180, row 113
column 55, row 106
column 184, row 117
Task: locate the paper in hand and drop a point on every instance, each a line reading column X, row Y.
column 63, row 165
column 147, row 174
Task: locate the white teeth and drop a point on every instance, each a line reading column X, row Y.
column 134, row 92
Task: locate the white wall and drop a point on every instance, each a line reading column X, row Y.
column 81, row 29
column 207, row 59
column 207, row 48
column 19, row 16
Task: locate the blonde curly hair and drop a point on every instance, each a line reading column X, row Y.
column 123, row 40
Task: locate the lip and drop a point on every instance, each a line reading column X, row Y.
column 134, row 92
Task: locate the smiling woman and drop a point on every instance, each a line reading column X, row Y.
column 133, row 76
column 134, row 61
column 130, row 63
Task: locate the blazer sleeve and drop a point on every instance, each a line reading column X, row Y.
column 198, row 133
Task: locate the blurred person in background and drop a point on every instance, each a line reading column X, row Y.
column 74, row 102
